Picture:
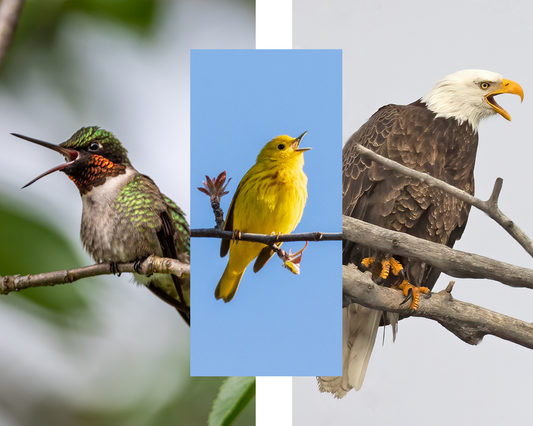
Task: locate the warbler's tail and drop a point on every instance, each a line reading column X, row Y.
column 228, row 284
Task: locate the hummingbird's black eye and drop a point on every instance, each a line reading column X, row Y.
column 93, row 147
column 281, row 146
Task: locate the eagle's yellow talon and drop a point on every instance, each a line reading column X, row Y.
column 396, row 267
column 406, row 287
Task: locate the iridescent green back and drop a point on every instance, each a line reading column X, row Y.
column 141, row 203
column 183, row 233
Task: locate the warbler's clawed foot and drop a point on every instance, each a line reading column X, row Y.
column 236, row 235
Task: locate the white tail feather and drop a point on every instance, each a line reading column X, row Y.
column 359, row 328
column 360, row 334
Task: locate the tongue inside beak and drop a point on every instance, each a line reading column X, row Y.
column 296, row 144
column 508, row 86
column 492, row 102
column 52, row 170
column 70, row 155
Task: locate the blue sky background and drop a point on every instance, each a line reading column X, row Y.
column 278, row 323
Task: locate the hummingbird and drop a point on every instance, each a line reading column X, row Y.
column 125, row 217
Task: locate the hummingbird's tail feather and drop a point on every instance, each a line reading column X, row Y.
column 228, row 284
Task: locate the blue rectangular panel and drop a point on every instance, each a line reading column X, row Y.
column 278, row 324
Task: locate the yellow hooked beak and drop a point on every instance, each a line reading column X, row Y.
column 508, row 86
column 296, row 144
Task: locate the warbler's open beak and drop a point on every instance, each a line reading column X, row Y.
column 68, row 153
column 508, row 86
column 296, row 143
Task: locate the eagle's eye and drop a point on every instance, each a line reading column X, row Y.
column 280, row 147
column 484, row 85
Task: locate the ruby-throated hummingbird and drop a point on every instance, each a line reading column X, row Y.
column 125, row 217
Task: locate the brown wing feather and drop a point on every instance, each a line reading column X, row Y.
column 412, row 136
column 262, row 259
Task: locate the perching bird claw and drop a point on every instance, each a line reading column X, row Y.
column 365, row 263
column 412, row 292
column 236, row 236
column 387, row 265
column 113, row 267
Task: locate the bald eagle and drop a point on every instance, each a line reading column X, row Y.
column 437, row 134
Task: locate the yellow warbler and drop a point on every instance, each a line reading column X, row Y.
column 269, row 199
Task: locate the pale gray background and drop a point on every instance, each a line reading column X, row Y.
column 394, row 52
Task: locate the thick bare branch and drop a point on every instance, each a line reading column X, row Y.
column 468, row 322
column 10, row 11
column 453, row 262
column 150, row 265
column 490, row 207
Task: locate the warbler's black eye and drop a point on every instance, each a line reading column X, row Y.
column 484, row 85
column 93, row 147
column 281, row 146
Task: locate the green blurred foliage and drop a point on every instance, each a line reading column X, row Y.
column 38, row 48
column 190, row 407
column 187, row 408
column 30, row 246
column 41, row 20
column 234, row 396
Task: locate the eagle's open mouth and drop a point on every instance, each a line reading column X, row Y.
column 507, row 86
column 496, row 106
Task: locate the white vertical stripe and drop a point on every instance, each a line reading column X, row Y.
column 273, row 24
column 273, row 401
column 273, row 30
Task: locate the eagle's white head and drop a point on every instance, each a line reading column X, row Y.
column 468, row 95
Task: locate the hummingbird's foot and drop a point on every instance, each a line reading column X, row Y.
column 137, row 267
column 113, row 267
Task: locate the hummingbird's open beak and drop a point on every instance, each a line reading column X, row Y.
column 68, row 153
column 296, row 143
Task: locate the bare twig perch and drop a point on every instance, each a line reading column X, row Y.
column 10, row 11
column 149, row 266
column 266, row 239
column 490, row 207
column 468, row 322
column 291, row 261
